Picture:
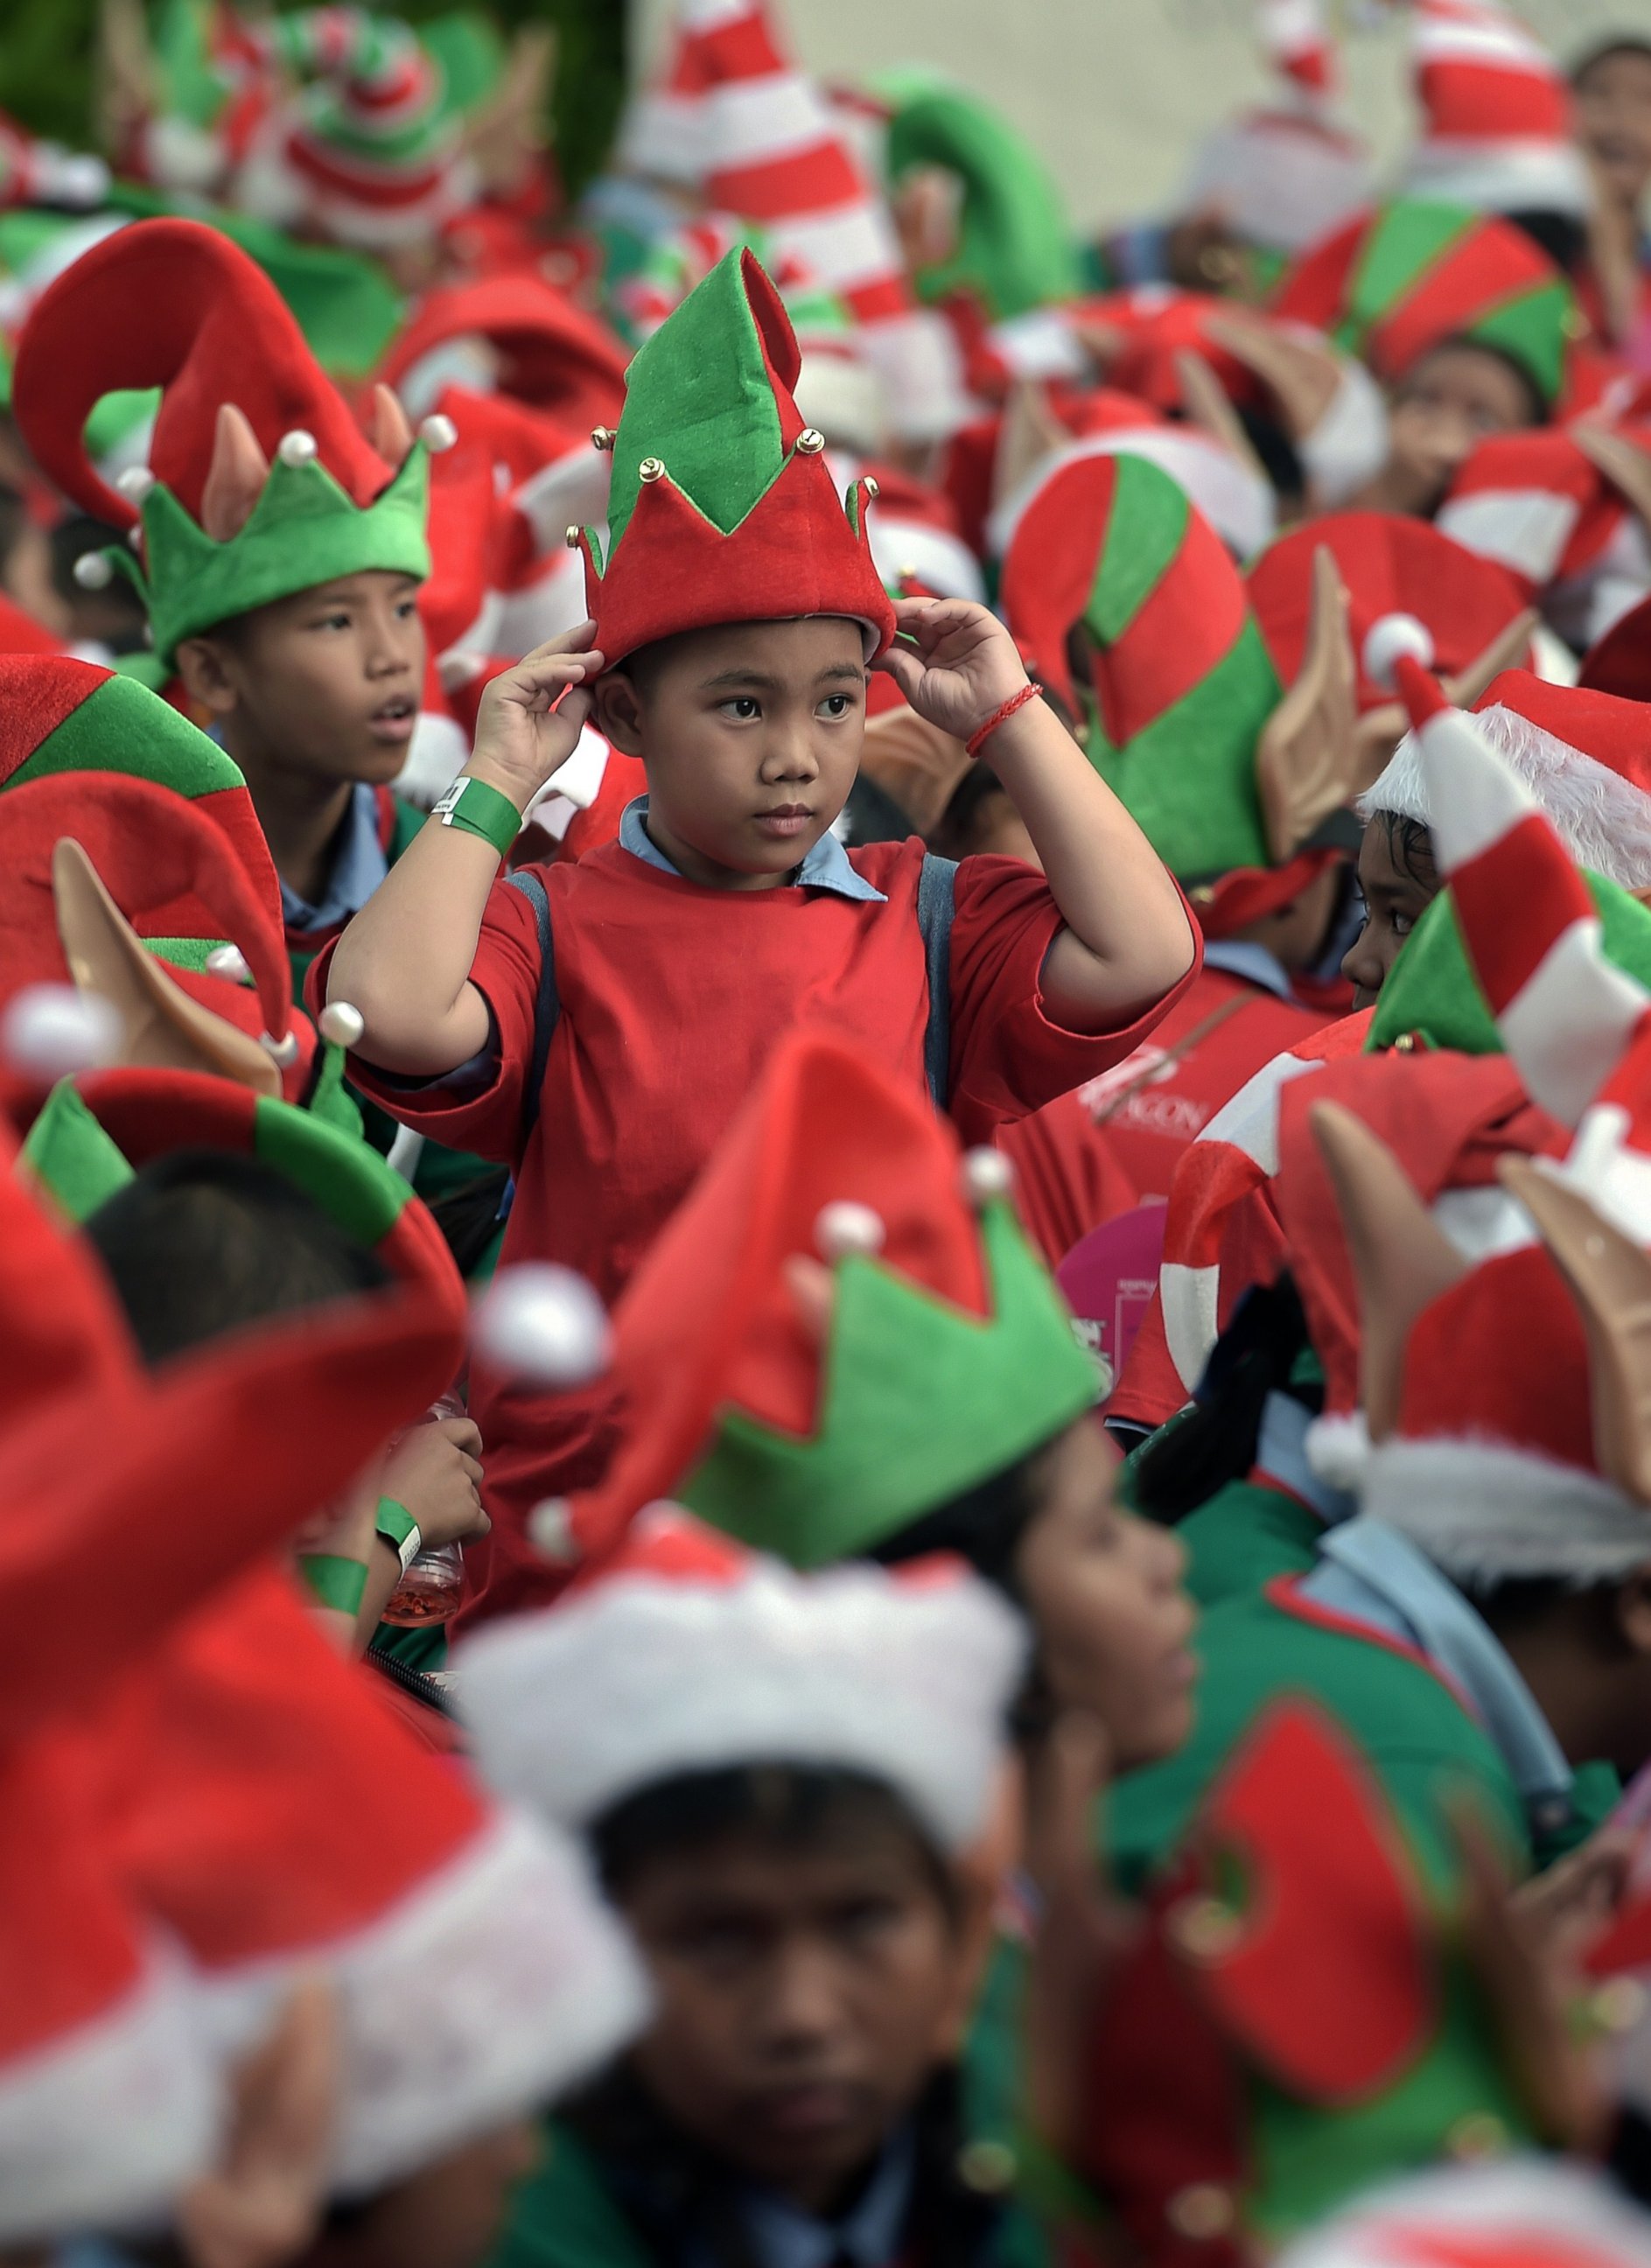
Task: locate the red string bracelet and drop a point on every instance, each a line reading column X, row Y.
column 977, row 742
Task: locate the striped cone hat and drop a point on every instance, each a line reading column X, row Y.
column 1181, row 693
column 1498, row 131
column 771, row 151
column 1396, row 281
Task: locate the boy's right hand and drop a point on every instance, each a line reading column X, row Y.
column 435, row 1471
column 531, row 716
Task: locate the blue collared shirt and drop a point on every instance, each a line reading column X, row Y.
column 360, row 865
column 782, row 2236
column 1374, row 1573
column 826, row 867
column 1241, row 957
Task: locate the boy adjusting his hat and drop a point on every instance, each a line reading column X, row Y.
column 595, row 1028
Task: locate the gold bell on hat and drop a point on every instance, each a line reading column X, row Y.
column 651, row 468
column 810, row 442
column 602, row 436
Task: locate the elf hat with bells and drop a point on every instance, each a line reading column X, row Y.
column 260, row 481
column 1136, row 619
column 685, row 1653
column 125, row 890
column 721, row 506
column 842, row 1327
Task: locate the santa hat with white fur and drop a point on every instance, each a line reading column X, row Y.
column 1514, row 2213
column 1585, row 758
column 685, row 1653
column 1497, row 130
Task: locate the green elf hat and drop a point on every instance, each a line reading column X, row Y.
column 1399, row 281
column 95, row 1131
column 1241, row 787
column 721, row 507
column 259, row 482
column 813, row 1421
column 1012, row 248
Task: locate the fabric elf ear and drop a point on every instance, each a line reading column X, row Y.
column 1626, row 467
column 1031, row 432
column 1402, row 1260
column 1306, row 759
column 1610, row 1279
column 164, row 1029
column 236, row 478
column 391, row 431
column 1210, row 408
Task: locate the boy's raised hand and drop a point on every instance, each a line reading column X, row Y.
column 954, row 662
column 531, row 716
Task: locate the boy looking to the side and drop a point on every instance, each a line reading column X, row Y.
column 596, row 1028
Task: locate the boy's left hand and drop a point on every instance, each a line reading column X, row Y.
column 959, row 665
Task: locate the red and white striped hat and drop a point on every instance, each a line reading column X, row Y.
column 1497, row 129
column 737, row 120
column 1540, row 505
column 1524, row 2212
column 1584, row 756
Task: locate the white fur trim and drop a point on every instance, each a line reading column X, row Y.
column 1349, row 445
column 438, row 748
column 1517, row 175
column 942, row 563
column 1530, row 2208
column 1474, row 801
column 1041, row 344
column 1603, row 820
column 101, row 2130
column 495, row 1987
column 1483, row 1222
column 1237, row 502
column 568, row 489
column 1481, row 1509
column 645, row 1678
column 1338, row 1450
column 842, row 396
column 917, row 356
column 1279, row 180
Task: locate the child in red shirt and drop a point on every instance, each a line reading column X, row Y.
column 595, row 1025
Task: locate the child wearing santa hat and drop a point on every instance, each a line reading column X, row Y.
column 595, row 1028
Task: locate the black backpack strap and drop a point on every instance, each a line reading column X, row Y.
column 547, row 1007
column 937, row 887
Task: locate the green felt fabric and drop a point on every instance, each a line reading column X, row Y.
column 69, row 1153
column 1244, row 1536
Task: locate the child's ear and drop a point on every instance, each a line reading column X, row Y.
column 200, row 664
column 618, row 712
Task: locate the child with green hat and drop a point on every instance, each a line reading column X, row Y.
column 596, row 1027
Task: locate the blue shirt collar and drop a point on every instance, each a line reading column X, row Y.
column 1281, row 1455
column 360, row 865
column 1241, row 957
column 782, row 2236
column 827, row 867
column 1372, row 1572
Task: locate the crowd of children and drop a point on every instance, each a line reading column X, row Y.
column 825, row 1230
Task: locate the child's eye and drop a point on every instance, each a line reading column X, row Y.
column 407, row 608
column 1401, row 924
column 836, row 705
column 744, row 706
column 339, row 621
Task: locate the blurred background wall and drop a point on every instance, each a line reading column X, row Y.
column 1115, row 92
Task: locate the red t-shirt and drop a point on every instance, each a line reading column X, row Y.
column 1117, row 1140
column 671, row 997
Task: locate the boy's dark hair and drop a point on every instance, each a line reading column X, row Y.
column 202, row 1241
column 788, row 1807
column 984, row 1525
column 1607, row 50
column 1410, row 848
column 1561, row 235
column 1463, row 342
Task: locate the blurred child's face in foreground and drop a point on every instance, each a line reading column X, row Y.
column 1613, row 105
column 751, row 736
column 1455, row 397
column 1103, row 1590
column 325, row 685
column 807, row 1989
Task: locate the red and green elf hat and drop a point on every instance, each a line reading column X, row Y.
column 1181, row 690
column 95, row 1131
column 721, row 507
column 173, row 303
column 58, row 715
column 166, row 887
column 947, row 1353
column 1399, row 281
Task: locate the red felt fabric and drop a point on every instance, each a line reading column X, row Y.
column 1050, row 568
column 554, row 355
column 1471, row 1374
column 672, row 998
column 1528, row 867
column 35, row 696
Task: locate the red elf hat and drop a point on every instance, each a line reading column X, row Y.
column 123, row 887
column 1389, row 565
column 268, row 1808
column 721, row 507
column 540, row 348
column 1620, row 662
column 1499, row 131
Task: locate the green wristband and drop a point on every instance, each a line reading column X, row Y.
column 340, row 1584
column 399, row 1530
column 475, row 808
